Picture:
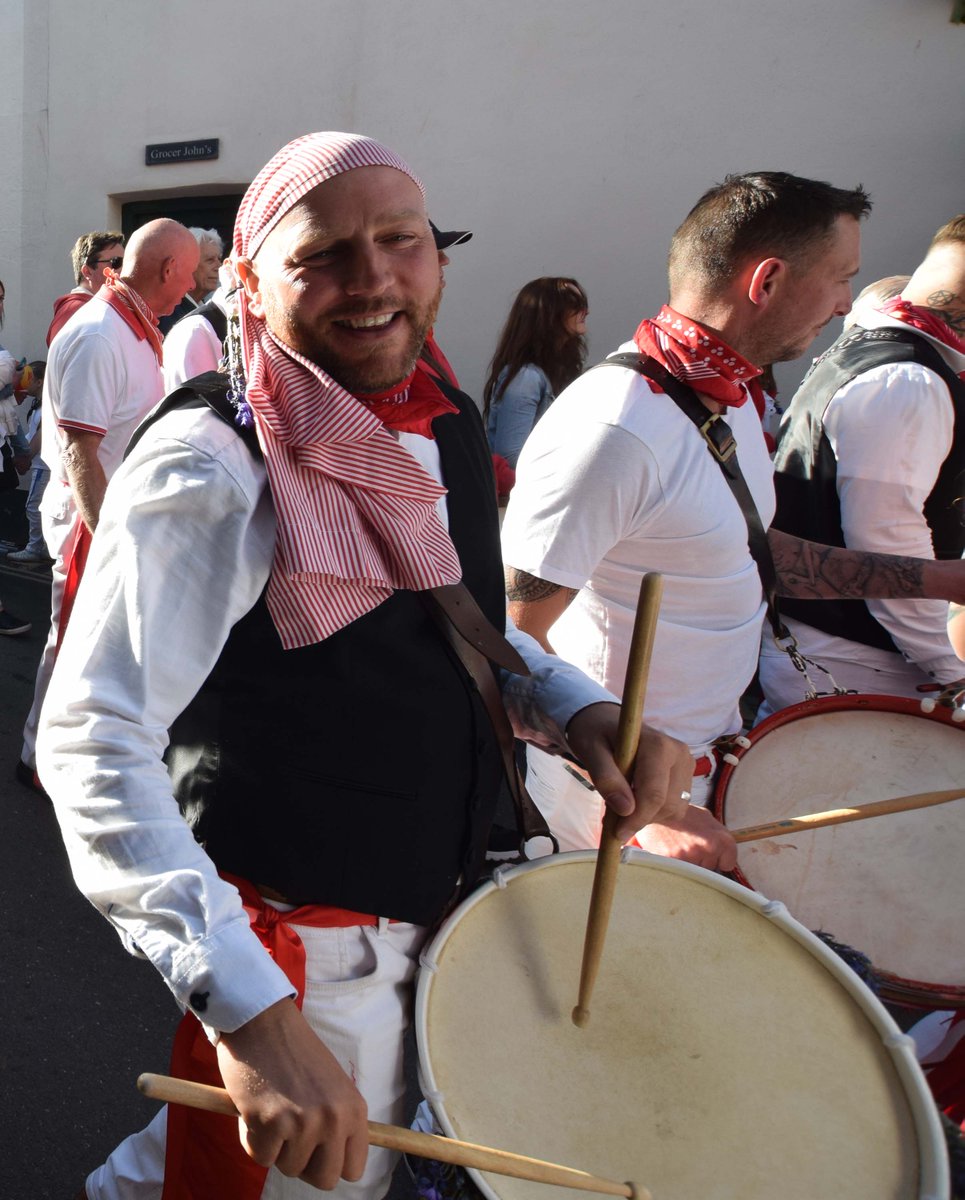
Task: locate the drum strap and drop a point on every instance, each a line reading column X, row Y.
column 452, row 610
column 723, row 446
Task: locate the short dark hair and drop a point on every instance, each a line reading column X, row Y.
column 89, row 245
column 951, row 231
column 764, row 214
column 535, row 332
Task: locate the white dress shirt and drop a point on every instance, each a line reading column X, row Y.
column 182, row 551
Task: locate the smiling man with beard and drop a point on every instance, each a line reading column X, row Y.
column 259, row 642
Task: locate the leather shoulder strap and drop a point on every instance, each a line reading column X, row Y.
column 722, row 445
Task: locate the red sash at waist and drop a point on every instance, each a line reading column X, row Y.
column 204, row 1157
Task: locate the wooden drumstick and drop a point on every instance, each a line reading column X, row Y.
column 628, row 739
column 423, row 1145
column 839, row 816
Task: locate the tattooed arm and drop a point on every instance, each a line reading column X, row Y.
column 536, row 604
column 810, row 571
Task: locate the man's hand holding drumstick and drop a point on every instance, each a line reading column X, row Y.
column 661, row 776
column 664, row 768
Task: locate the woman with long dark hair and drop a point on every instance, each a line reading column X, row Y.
column 541, row 350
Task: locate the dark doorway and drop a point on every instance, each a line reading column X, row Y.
column 205, row 212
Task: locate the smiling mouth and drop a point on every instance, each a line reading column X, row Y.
column 377, row 322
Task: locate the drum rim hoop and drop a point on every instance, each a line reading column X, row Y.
column 898, row 988
column 934, row 1171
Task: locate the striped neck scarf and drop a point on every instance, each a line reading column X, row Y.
column 356, row 513
column 133, row 309
column 698, row 358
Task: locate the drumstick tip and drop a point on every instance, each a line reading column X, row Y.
column 580, row 1016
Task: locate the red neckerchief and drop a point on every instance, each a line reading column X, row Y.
column 699, row 358
column 434, row 362
column 132, row 309
column 411, row 406
column 926, row 320
column 203, row 1155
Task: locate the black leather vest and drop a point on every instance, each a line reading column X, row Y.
column 806, row 469
column 361, row 771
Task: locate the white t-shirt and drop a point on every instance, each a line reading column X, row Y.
column 890, row 428
column 102, row 379
column 615, row 481
column 191, row 347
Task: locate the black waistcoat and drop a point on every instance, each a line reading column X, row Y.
column 806, row 469
column 361, row 771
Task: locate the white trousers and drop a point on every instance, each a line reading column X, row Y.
column 784, row 685
column 358, row 1000
column 573, row 811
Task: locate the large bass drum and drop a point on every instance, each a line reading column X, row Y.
column 729, row 1054
column 893, row 886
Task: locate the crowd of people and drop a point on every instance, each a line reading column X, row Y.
column 277, row 804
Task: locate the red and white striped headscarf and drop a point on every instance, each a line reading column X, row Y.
column 356, row 513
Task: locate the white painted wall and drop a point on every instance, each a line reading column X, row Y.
column 570, row 137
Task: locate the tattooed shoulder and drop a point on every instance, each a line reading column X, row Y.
column 523, row 588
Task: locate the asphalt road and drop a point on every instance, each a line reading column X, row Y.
column 83, row 1017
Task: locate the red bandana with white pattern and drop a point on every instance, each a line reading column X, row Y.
column 926, row 320
column 698, row 357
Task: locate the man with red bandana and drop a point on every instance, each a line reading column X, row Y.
column 872, row 455
column 103, row 376
column 618, row 480
column 272, row 770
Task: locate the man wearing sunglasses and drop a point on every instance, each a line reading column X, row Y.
column 91, row 253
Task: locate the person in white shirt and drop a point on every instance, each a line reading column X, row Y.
column 103, row 376
column 211, row 252
column 616, row 480
column 872, row 456
column 275, row 649
column 195, row 344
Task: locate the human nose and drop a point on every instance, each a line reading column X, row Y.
column 845, row 301
column 369, row 272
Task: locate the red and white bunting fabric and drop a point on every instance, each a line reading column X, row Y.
column 356, row 513
column 697, row 357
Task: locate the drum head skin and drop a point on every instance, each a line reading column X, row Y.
column 893, row 886
column 728, row 1056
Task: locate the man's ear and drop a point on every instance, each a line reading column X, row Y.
column 765, row 280
column 167, row 268
column 247, row 272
